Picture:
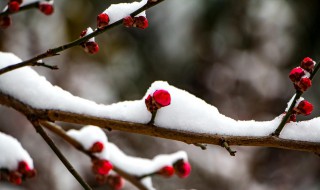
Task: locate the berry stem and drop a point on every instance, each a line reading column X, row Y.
column 151, row 122
column 22, row 8
column 55, row 149
column 55, row 51
column 289, row 112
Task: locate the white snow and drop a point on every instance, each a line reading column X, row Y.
column 186, row 112
column 131, row 165
column 147, row 182
column 12, row 153
column 119, row 11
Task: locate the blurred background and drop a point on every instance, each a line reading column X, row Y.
column 236, row 55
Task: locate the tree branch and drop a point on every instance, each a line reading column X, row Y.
column 55, row 51
column 150, row 130
column 22, row 8
column 293, row 103
column 55, row 149
column 60, row 132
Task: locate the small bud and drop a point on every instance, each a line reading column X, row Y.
column 5, row 22
column 141, row 22
column 115, row 181
column 128, row 21
column 296, row 74
column 293, row 117
column 15, row 177
column 308, row 64
column 166, row 171
column 304, row 107
column 96, row 147
column 101, row 167
column 102, row 20
column 13, row 6
column 25, row 170
column 182, row 168
column 84, row 33
column 46, row 8
column 91, row 47
column 303, row 84
column 162, row 98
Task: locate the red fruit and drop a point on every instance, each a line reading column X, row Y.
column 182, row 168
column 162, row 98
column 296, row 74
column 46, row 8
column 141, row 22
column 25, row 170
column 293, row 117
column 128, row 21
column 303, row 84
column 91, row 47
column 15, row 177
column 83, row 33
column 308, row 64
column 101, row 167
column 5, row 22
column 304, row 107
column 18, row 1
column 96, row 147
column 13, row 6
column 166, row 171
column 102, row 20
column 115, row 181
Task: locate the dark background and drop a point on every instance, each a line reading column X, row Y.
column 236, row 55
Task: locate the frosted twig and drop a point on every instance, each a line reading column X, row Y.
column 22, row 8
column 55, row 51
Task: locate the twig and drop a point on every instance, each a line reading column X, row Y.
column 22, row 8
column 60, row 132
column 202, row 146
column 55, row 149
column 55, row 51
column 289, row 112
column 225, row 145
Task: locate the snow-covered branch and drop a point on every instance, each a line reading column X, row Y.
column 187, row 118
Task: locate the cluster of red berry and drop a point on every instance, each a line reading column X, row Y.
column 181, row 168
column 160, row 98
column 300, row 76
column 22, row 172
column 14, row 6
column 89, row 46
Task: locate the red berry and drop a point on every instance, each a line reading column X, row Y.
column 46, row 8
column 102, row 20
column 304, row 107
column 5, row 22
column 141, row 22
column 128, row 21
column 303, row 84
column 296, row 74
column 91, row 47
column 162, row 98
column 166, row 171
column 15, row 177
column 182, row 168
column 96, row 147
column 293, row 117
column 115, row 181
column 18, row 1
column 307, row 64
column 83, row 33
column 13, row 6
column 101, row 167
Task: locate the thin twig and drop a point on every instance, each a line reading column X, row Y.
column 55, row 51
column 202, row 146
column 60, row 132
column 55, row 149
column 225, row 145
column 293, row 103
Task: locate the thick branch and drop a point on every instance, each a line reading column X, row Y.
column 55, row 51
column 151, row 130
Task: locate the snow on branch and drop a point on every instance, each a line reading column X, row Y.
column 187, row 118
column 15, row 162
column 107, row 155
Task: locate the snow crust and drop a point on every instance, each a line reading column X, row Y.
column 186, row 112
column 119, row 11
column 11, row 153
